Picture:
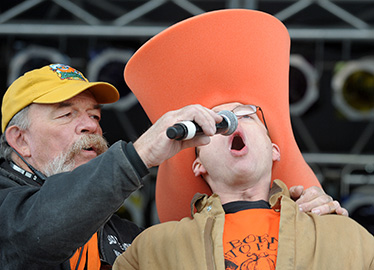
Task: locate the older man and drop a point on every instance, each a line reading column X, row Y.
column 59, row 182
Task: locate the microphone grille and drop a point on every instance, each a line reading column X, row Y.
column 232, row 121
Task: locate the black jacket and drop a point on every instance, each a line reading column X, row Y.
column 41, row 226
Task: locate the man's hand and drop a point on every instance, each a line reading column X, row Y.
column 154, row 146
column 315, row 200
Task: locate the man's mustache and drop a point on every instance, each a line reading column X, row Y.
column 93, row 142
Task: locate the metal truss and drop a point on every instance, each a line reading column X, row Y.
column 342, row 19
column 314, row 21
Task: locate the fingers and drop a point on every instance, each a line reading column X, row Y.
column 202, row 116
column 330, row 208
column 197, row 141
column 296, row 192
column 154, row 146
column 326, row 208
column 321, row 205
column 342, row 211
column 313, row 197
column 315, row 200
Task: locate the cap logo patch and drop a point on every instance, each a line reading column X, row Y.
column 67, row 72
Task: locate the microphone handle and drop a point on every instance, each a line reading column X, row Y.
column 188, row 129
column 176, row 132
column 183, row 131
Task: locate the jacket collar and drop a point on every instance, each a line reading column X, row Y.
column 212, row 204
column 277, row 191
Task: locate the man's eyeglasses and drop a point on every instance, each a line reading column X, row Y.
column 245, row 110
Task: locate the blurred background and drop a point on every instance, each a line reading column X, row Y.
column 331, row 76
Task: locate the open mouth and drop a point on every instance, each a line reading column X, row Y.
column 237, row 143
column 89, row 149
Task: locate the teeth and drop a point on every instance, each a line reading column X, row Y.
column 237, row 143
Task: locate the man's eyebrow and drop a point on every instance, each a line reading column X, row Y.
column 65, row 104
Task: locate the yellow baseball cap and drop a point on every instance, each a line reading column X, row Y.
column 51, row 84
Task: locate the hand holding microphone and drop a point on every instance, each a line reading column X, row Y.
column 186, row 130
column 162, row 147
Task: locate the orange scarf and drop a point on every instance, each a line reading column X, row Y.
column 90, row 256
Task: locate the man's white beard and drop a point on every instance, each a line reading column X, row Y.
column 65, row 161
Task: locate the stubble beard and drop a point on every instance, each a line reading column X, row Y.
column 65, row 162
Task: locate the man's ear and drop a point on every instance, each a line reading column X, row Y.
column 276, row 152
column 16, row 139
column 198, row 168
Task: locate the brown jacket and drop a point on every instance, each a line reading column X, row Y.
column 306, row 241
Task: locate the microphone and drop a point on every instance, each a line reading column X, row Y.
column 186, row 130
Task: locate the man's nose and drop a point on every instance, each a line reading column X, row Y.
column 88, row 124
